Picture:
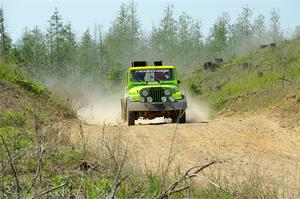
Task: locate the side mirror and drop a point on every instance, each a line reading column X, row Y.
column 178, row 81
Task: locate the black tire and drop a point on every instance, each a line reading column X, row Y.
column 130, row 118
column 182, row 119
column 174, row 118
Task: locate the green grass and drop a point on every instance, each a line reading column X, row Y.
column 14, row 118
column 11, row 72
column 67, row 156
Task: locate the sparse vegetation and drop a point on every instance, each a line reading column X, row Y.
column 271, row 75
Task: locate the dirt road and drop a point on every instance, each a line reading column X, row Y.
column 256, row 146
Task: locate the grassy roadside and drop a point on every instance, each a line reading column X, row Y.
column 28, row 163
column 259, row 80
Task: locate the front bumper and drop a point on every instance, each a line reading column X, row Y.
column 157, row 106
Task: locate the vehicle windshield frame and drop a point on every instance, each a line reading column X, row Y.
column 152, row 75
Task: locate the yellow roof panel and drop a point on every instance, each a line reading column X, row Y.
column 149, row 67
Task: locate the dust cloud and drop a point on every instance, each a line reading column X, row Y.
column 93, row 103
column 101, row 106
column 197, row 111
column 97, row 105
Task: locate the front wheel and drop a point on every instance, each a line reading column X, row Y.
column 180, row 114
column 130, row 118
column 182, row 119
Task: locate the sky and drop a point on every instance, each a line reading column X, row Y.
column 85, row 14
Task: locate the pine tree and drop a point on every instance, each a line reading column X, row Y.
column 164, row 37
column 135, row 28
column 5, row 40
column 259, row 30
column 275, row 32
column 189, row 41
column 68, row 51
column 244, row 22
column 184, row 37
column 62, row 47
column 33, row 53
column 87, row 56
column 122, row 40
column 101, row 51
column 197, row 45
column 242, row 33
column 219, row 34
column 55, row 41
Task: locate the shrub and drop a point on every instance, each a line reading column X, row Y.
column 196, row 89
column 35, row 88
column 219, row 104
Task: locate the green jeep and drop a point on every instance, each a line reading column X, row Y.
column 152, row 91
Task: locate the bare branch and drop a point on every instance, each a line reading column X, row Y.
column 12, row 166
column 112, row 156
column 117, row 182
column 208, row 180
column 40, row 154
column 200, row 167
column 190, row 173
column 180, row 189
column 50, row 190
column 122, row 179
column 39, row 168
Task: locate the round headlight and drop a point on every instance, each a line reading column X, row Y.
column 171, row 99
column 142, row 99
column 163, row 99
column 167, row 92
column 145, row 93
column 149, row 99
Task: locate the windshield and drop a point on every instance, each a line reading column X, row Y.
column 150, row 75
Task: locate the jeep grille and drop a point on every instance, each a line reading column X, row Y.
column 156, row 94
